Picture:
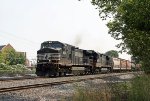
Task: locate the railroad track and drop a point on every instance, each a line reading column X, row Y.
column 9, row 79
column 18, row 77
column 2, row 90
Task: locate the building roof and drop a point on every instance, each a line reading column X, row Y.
column 1, row 47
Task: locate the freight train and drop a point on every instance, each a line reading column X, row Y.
column 56, row 59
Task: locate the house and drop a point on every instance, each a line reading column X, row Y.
column 3, row 47
column 8, row 46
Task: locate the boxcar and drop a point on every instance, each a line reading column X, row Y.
column 116, row 64
column 128, row 65
column 123, row 64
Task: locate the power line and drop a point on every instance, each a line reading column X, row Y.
column 20, row 39
column 27, row 44
column 13, row 35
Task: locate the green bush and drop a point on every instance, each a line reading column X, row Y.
column 14, row 69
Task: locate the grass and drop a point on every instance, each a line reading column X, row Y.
column 92, row 95
column 136, row 90
column 140, row 89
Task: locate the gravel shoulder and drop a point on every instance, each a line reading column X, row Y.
column 59, row 92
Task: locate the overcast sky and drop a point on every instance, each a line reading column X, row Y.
column 26, row 23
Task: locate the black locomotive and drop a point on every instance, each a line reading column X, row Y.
column 56, row 59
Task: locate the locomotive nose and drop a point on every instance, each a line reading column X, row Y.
column 48, row 50
column 47, row 55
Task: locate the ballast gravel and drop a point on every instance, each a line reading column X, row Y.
column 62, row 92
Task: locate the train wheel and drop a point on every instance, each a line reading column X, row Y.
column 64, row 73
column 46, row 75
column 60, row 74
column 55, row 74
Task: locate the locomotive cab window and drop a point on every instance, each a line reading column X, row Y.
column 91, row 57
column 51, row 45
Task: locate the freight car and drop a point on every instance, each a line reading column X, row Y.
column 57, row 58
column 121, row 65
column 135, row 66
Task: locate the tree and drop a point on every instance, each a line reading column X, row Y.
column 1, row 59
column 130, row 22
column 112, row 53
column 20, row 59
column 10, row 57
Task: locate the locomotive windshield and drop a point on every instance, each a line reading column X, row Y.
column 51, row 45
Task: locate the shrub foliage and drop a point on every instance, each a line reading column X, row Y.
column 13, row 69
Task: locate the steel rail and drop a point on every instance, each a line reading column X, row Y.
column 2, row 90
